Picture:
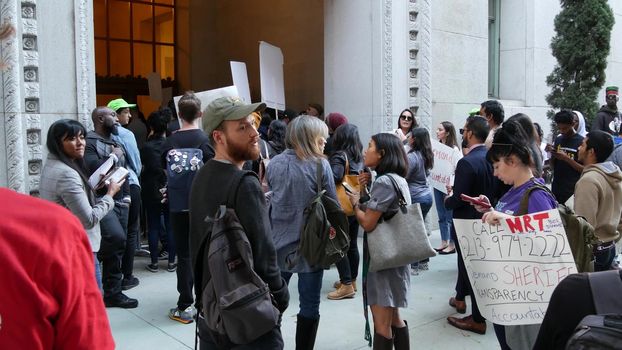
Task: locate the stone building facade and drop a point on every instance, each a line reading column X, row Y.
column 370, row 59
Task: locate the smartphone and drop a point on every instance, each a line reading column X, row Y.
column 348, row 188
column 475, row 201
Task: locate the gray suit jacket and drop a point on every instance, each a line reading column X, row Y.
column 62, row 185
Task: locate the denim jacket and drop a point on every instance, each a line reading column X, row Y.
column 293, row 183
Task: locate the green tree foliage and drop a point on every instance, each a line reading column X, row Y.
column 581, row 46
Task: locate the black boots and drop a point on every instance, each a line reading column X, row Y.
column 382, row 343
column 401, row 338
column 306, row 330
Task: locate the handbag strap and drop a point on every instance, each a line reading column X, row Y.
column 347, row 168
column 401, row 200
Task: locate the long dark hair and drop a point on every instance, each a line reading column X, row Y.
column 276, row 132
column 451, row 140
column 394, row 158
column 413, row 125
column 420, row 142
column 60, row 130
column 509, row 140
column 346, row 139
column 527, row 125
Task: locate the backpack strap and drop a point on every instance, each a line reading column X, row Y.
column 606, row 287
column 346, row 170
column 319, row 175
column 524, row 202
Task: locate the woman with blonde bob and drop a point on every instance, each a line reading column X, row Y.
column 292, row 180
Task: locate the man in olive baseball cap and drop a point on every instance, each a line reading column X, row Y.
column 227, row 108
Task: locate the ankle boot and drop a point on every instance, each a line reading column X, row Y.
column 382, row 343
column 401, row 338
column 344, row 291
column 306, row 330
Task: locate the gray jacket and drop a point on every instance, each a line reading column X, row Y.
column 63, row 185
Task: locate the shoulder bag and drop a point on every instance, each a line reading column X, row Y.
column 399, row 240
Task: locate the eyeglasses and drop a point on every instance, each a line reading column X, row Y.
column 406, row 117
column 462, row 131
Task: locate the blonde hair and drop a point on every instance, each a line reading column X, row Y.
column 303, row 134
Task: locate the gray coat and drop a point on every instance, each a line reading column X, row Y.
column 63, row 185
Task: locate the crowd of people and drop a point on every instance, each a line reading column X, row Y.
column 183, row 164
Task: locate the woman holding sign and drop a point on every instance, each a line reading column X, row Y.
column 512, row 162
column 385, row 291
column 446, row 134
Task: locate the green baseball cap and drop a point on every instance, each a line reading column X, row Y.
column 227, row 108
column 119, row 103
column 474, row 111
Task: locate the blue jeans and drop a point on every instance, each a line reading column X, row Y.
column 444, row 215
column 425, row 202
column 98, row 273
column 309, row 288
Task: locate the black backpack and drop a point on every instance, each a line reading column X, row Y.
column 579, row 232
column 603, row 330
column 324, row 238
column 236, row 304
column 182, row 164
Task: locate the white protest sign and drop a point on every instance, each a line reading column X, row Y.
column 210, row 95
column 240, row 80
column 271, row 76
column 167, row 94
column 154, row 82
column 442, row 174
column 515, row 266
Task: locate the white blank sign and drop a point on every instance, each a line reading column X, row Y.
column 271, row 76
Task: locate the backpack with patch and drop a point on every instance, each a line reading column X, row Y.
column 236, row 304
column 324, row 238
column 579, row 232
column 182, row 164
column 603, row 330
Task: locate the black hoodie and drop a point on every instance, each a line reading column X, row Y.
column 605, row 120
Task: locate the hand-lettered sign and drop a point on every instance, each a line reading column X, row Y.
column 515, row 266
column 445, row 158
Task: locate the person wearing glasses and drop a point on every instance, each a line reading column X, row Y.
column 405, row 124
column 608, row 118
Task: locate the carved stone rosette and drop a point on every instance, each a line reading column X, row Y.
column 387, row 63
column 420, row 54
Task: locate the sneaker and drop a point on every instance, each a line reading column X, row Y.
column 184, row 316
column 163, row 255
column 172, row 267
column 153, row 267
column 129, row 282
column 121, row 300
column 141, row 252
column 424, row 266
column 414, row 271
column 344, row 291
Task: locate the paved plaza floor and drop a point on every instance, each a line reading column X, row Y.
column 341, row 325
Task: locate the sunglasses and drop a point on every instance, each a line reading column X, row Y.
column 406, row 117
column 462, row 131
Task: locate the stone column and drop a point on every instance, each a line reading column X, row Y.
column 420, row 54
column 49, row 75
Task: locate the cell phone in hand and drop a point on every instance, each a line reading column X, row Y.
column 475, row 201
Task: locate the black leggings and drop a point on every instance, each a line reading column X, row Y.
column 348, row 267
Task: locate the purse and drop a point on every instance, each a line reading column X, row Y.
column 399, row 240
column 342, row 196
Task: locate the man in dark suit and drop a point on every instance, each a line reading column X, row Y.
column 474, row 176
